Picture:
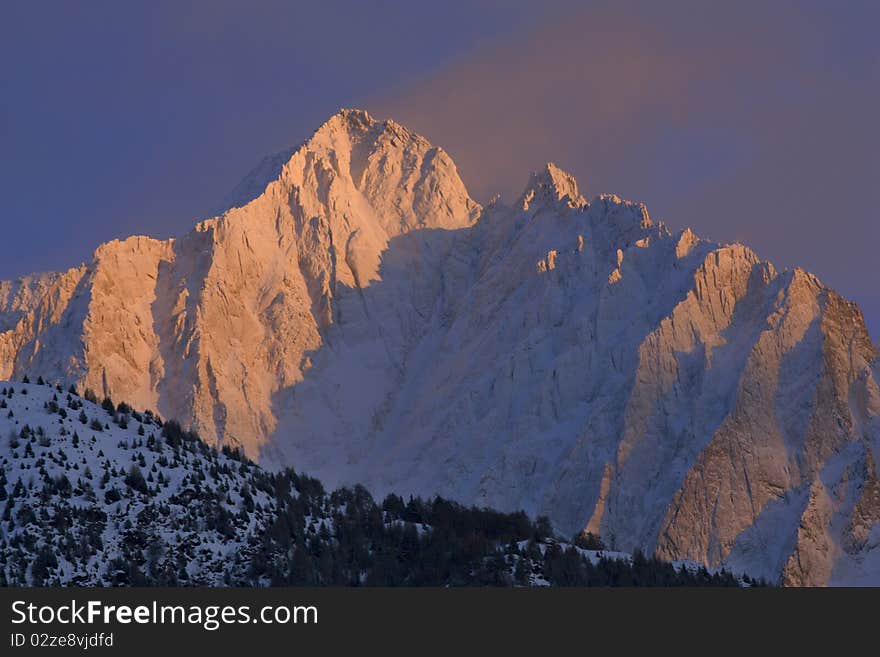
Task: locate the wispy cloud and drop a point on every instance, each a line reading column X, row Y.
column 754, row 122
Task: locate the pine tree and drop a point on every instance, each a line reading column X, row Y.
column 135, row 479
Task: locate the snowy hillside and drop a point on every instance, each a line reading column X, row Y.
column 83, row 488
column 96, row 495
column 356, row 315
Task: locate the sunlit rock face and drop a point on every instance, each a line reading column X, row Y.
column 356, row 315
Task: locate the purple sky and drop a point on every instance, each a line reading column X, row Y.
column 755, row 122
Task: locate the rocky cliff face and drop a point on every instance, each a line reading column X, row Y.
column 356, row 315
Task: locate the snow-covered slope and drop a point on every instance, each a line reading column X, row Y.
column 105, row 495
column 358, row 316
column 97, row 497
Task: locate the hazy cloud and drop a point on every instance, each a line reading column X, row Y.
column 755, row 122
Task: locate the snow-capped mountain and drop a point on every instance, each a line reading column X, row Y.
column 355, row 314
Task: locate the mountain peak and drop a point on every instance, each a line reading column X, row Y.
column 355, row 114
column 551, row 184
column 349, row 118
column 358, row 123
column 349, row 135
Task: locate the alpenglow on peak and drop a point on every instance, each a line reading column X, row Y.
column 551, row 184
